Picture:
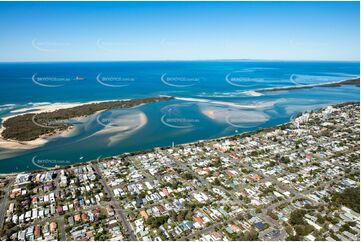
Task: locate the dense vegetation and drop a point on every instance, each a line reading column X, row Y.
column 355, row 82
column 297, row 217
column 31, row 126
column 350, row 198
column 299, row 225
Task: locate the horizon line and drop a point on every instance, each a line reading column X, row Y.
column 175, row 60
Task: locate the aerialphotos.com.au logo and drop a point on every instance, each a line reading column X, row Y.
column 49, row 163
column 49, row 46
column 175, row 119
column 179, row 80
column 114, row 80
column 242, row 78
column 238, row 122
column 245, row 119
column 304, row 80
column 105, row 122
column 43, row 122
column 50, row 81
column 99, row 158
column 117, row 118
column 298, row 80
column 38, row 121
column 112, row 46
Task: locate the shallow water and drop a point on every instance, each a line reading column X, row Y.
column 213, row 102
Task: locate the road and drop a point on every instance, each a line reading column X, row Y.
column 4, row 202
column 119, row 211
column 61, row 228
column 208, row 229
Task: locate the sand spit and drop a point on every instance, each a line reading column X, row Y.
column 232, row 104
column 253, row 93
column 46, row 107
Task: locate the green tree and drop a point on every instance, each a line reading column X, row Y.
column 296, row 217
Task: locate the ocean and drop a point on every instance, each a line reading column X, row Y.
column 213, row 99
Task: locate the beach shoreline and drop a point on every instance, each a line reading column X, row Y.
column 125, row 154
column 27, row 145
column 355, row 81
column 13, row 144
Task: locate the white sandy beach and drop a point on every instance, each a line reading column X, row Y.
column 118, row 129
column 46, row 107
column 50, row 107
column 232, row 104
column 253, row 93
column 234, row 117
column 26, row 145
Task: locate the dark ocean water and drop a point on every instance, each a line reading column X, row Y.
column 212, row 101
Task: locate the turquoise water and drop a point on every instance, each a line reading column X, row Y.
column 212, row 101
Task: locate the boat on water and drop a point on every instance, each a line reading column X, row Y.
column 80, row 78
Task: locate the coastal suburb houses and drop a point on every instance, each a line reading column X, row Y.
column 296, row 181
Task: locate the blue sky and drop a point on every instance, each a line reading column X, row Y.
column 77, row 31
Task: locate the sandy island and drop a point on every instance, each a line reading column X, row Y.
column 12, row 144
column 355, row 82
column 232, row 104
column 26, row 145
column 253, row 93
